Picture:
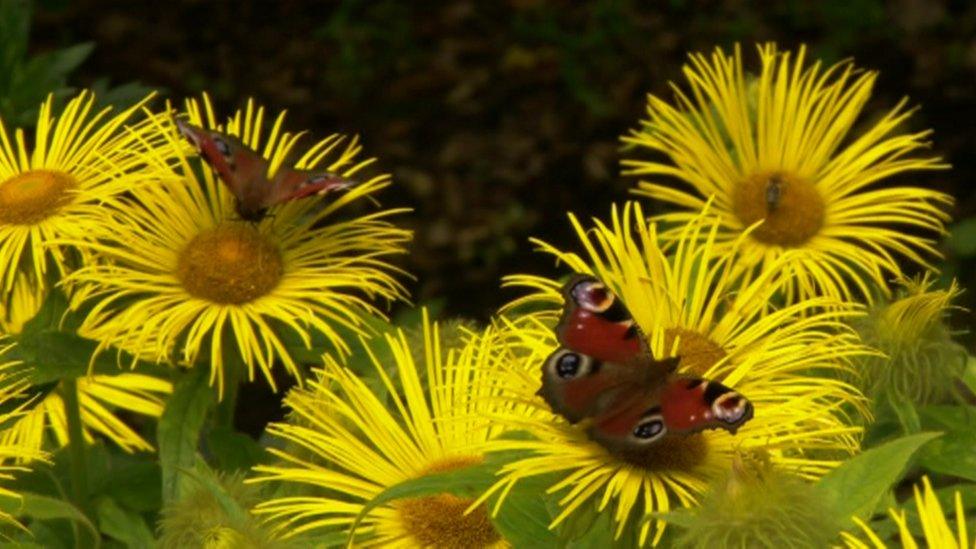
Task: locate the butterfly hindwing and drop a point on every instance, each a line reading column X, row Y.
column 292, row 184
column 682, row 406
column 693, row 404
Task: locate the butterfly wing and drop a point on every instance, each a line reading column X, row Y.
column 292, row 184
column 682, row 406
column 242, row 169
column 596, row 323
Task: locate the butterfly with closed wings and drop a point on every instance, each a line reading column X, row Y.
column 245, row 172
column 604, row 373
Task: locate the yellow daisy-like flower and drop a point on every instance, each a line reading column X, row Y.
column 921, row 361
column 179, row 273
column 13, row 453
column 79, row 159
column 98, row 396
column 351, row 443
column 779, row 150
column 937, row 529
column 688, row 302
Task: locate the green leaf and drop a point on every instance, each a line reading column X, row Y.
column 233, row 451
column 135, row 485
column 523, row 518
column 179, row 429
column 856, row 486
column 42, row 508
column 126, row 526
column 955, row 452
column 59, row 63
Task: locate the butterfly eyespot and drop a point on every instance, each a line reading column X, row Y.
column 731, row 408
column 649, row 429
column 566, row 364
column 592, row 296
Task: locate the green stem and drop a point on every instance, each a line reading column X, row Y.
column 76, row 449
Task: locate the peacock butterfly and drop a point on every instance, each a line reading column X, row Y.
column 245, row 172
column 604, row 373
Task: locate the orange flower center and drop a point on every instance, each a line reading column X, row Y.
column 33, row 196
column 791, row 206
column 230, row 264
column 698, row 353
column 439, row 520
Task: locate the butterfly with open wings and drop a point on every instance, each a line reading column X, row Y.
column 245, row 172
column 604, row 372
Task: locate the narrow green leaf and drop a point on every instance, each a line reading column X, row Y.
column 179, row 429
column 59, row 64
column 123, row 525
column 854, row 488
column 38, row 507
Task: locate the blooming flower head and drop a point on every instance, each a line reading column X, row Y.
column 12, row 452
column 79, row 158
column 99, row 396
column 937, row 529
column 688, row 302
column 780, row 150
column 351, row 441
column 921, row 361
column 180, row 275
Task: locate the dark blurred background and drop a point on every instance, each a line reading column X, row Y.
column 498, row 117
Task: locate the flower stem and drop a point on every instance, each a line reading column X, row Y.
column 76, row 445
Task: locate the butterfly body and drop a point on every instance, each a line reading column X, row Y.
column 245, row 173
column 604, row 374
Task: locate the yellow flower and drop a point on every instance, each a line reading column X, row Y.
column 351, row 442
column 937, row 530
column 688, row 302
column 12, row 452
column 921, row 361
column 98, row 395
column 79, row 159
column 779, row 150
column 180, row 274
